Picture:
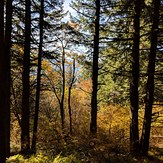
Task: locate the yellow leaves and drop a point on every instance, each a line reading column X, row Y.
column 86, row 85
column 40, row 158
column 51, row 74
column 73, row 25
column 46, row 65
column 71, row 158
column 113, row 118
column 18, row 48
column 148, row 2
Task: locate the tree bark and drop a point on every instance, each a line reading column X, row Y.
column 134, row 81
column 149, row 98
column 25, row 138
column 93, row 123
column 2, row 86
column 69, row 95
column 63, row 90
column 8, row 29
column 5, row 45
column 34, row 139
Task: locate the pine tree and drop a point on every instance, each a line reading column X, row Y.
column 37, row 104
column 93, row 123
column 89, row 19
column 5, row 46
column 2, row 86
column 134, row 81
column 25, row 126
column 149, row 97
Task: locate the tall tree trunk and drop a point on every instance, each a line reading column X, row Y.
column 8, row 29
column 34, row 139
column 63, row 90
column 93, row 123
column 5, row 45
column 25, row 138
column 2, row 86
column 150, row 81
column 134, row 81
column 69, row 95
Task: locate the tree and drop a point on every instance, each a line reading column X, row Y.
column 25, row 138
column 89, row 19
column 71, row 82
column 33, row 147
column 93, row 123
column 65, row 37
column 149, row 97
column 8, row 29
column 62, row 112
column 134, row 80
column 2, row 86
column 5, row 46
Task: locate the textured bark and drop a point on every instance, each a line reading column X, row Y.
column 63, row 90
column 2, row 86
column 25, row 139
column 5, row 44
column 69, row 96
column 8, row 29
column 149, row 98
column 134, row 81
column 34, row 139
column 93, row 123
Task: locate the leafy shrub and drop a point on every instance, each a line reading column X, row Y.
column 33, row 159
column 67, row 159
column 15, row 159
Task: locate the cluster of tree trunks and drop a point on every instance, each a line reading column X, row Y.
column 149, row 97
column 141, row 146
column 138, row 146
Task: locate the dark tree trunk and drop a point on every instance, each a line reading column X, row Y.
column 93, row 123
column 2, row 86
column 150, row 81
column 69, row 96
column 69, row 109
column 25, row 139
column 8, row 29
column 34, row 139
column 134, row 81
column 5, row 45
column 63, row 90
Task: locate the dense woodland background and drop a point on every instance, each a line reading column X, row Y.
column 81, row 87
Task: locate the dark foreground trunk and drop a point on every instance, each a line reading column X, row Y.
column 8, row 29
column 2, row 86
column 149, row 98
column 34, row 139
column 25, row 138
column 5, row 45
column 134, row 81
column 93, row 123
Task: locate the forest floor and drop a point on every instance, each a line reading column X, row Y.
column 110, row 146
column 88, row 150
